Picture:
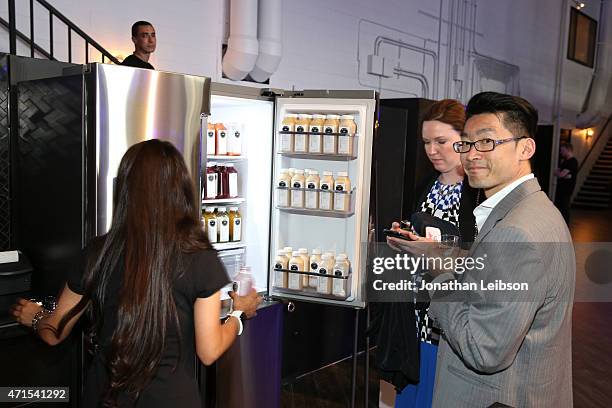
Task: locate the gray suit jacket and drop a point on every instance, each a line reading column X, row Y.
column 512, row 347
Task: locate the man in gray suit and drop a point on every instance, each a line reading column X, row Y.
column 510, row 347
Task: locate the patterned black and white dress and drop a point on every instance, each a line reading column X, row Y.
column 442, row 202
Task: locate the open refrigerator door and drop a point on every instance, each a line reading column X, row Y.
column 236, row 181
column 321, row 196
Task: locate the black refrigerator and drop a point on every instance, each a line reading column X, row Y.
column 402, row 167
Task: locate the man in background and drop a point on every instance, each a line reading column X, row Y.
column 566, row 180
column 143, row 37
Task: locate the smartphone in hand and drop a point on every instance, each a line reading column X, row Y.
column 395, row 234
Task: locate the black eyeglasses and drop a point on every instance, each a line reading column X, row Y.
column 482, row 145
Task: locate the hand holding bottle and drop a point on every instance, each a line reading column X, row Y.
column 247, row 304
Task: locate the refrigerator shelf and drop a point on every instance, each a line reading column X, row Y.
column 222, row 246
column 319, row 213
column 310, row 274
column 283, row 132
column 225, row 158
column 235, row 200
column 319, row 156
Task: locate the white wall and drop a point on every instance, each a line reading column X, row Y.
column 326, row 42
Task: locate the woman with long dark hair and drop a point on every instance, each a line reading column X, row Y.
column 150, row 286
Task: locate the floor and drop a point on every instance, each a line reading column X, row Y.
column 592, row 337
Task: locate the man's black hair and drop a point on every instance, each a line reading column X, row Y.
column 139, row 24
column 515, row 113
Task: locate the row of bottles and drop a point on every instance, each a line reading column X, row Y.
column 305, row 189
column 221, row 181
column 222, row 140
column 222, row 226
column 317, row 133
column 323, row 265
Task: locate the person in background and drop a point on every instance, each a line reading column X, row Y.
column 151, row 289
column 449, row 197
column 566, row 179
column 143, row 37
column 505, row 347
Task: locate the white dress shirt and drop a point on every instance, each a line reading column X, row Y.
column 483, row 211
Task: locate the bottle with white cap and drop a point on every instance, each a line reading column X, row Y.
column 211, row 224
column 243, row 282
column 330, row 139
column 223, row 224
column 288, row 252
column 326, row 194
column 312, row 190
column 341, row 272
column 297, row 189
column 346, row 131
column 316, row 128
column 315, row 261
column 306, row 259
column 286, row 139
column 342, row 188
column 281, row 262
column 324, row 284
column 283, row 183
column 296, row 263
column 300, row 143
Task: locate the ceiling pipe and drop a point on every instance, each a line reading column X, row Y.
column 242, row 45
column 269, row 27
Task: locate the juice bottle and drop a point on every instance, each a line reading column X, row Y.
column 346, row 130
column 234, row 143
column 297, row 193
column 281, row 262
column 326, row 194
column 296, row 263
column 243, row 282
column 221, row 131
column 315, row 261
column 341, row 269
column 324, row 284
column 211, row 224
column 223, row 224
column 316, row 128
column 211, row 183
column 342, row 188
column 232, row 180
column 306, row 259
column 235, row 224
column 211, row 142
column 286, row 140
column 223, row 181
column 283, row 184
column 300, row 139
column 312, row 190
column 330, row 139
column 288, row 252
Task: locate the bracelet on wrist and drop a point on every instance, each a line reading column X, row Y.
column 38, row 317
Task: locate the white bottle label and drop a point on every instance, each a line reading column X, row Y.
column 325, row 197
column 314, row 143
column 295, row 279
column 279, row 276
column 344, row 142
column 323, row 285
column 233, row 184
column 211, row 186
column 339, row 285
column 300, row 142
column 223, row 230
column 211, row 229
column 237, row 235
column 211, row 143
column 286, row 143
column 236, row 143
column 297, row 196
column 222, row 143
column 329, row 144
column 340, row 199
column 313, row 281
column 312, row 197
column 283, row 194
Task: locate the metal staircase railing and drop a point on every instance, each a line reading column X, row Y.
column 54, row 14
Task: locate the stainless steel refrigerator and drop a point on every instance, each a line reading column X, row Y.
column 75, row 124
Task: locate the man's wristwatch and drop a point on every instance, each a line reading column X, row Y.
column 239, row 315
